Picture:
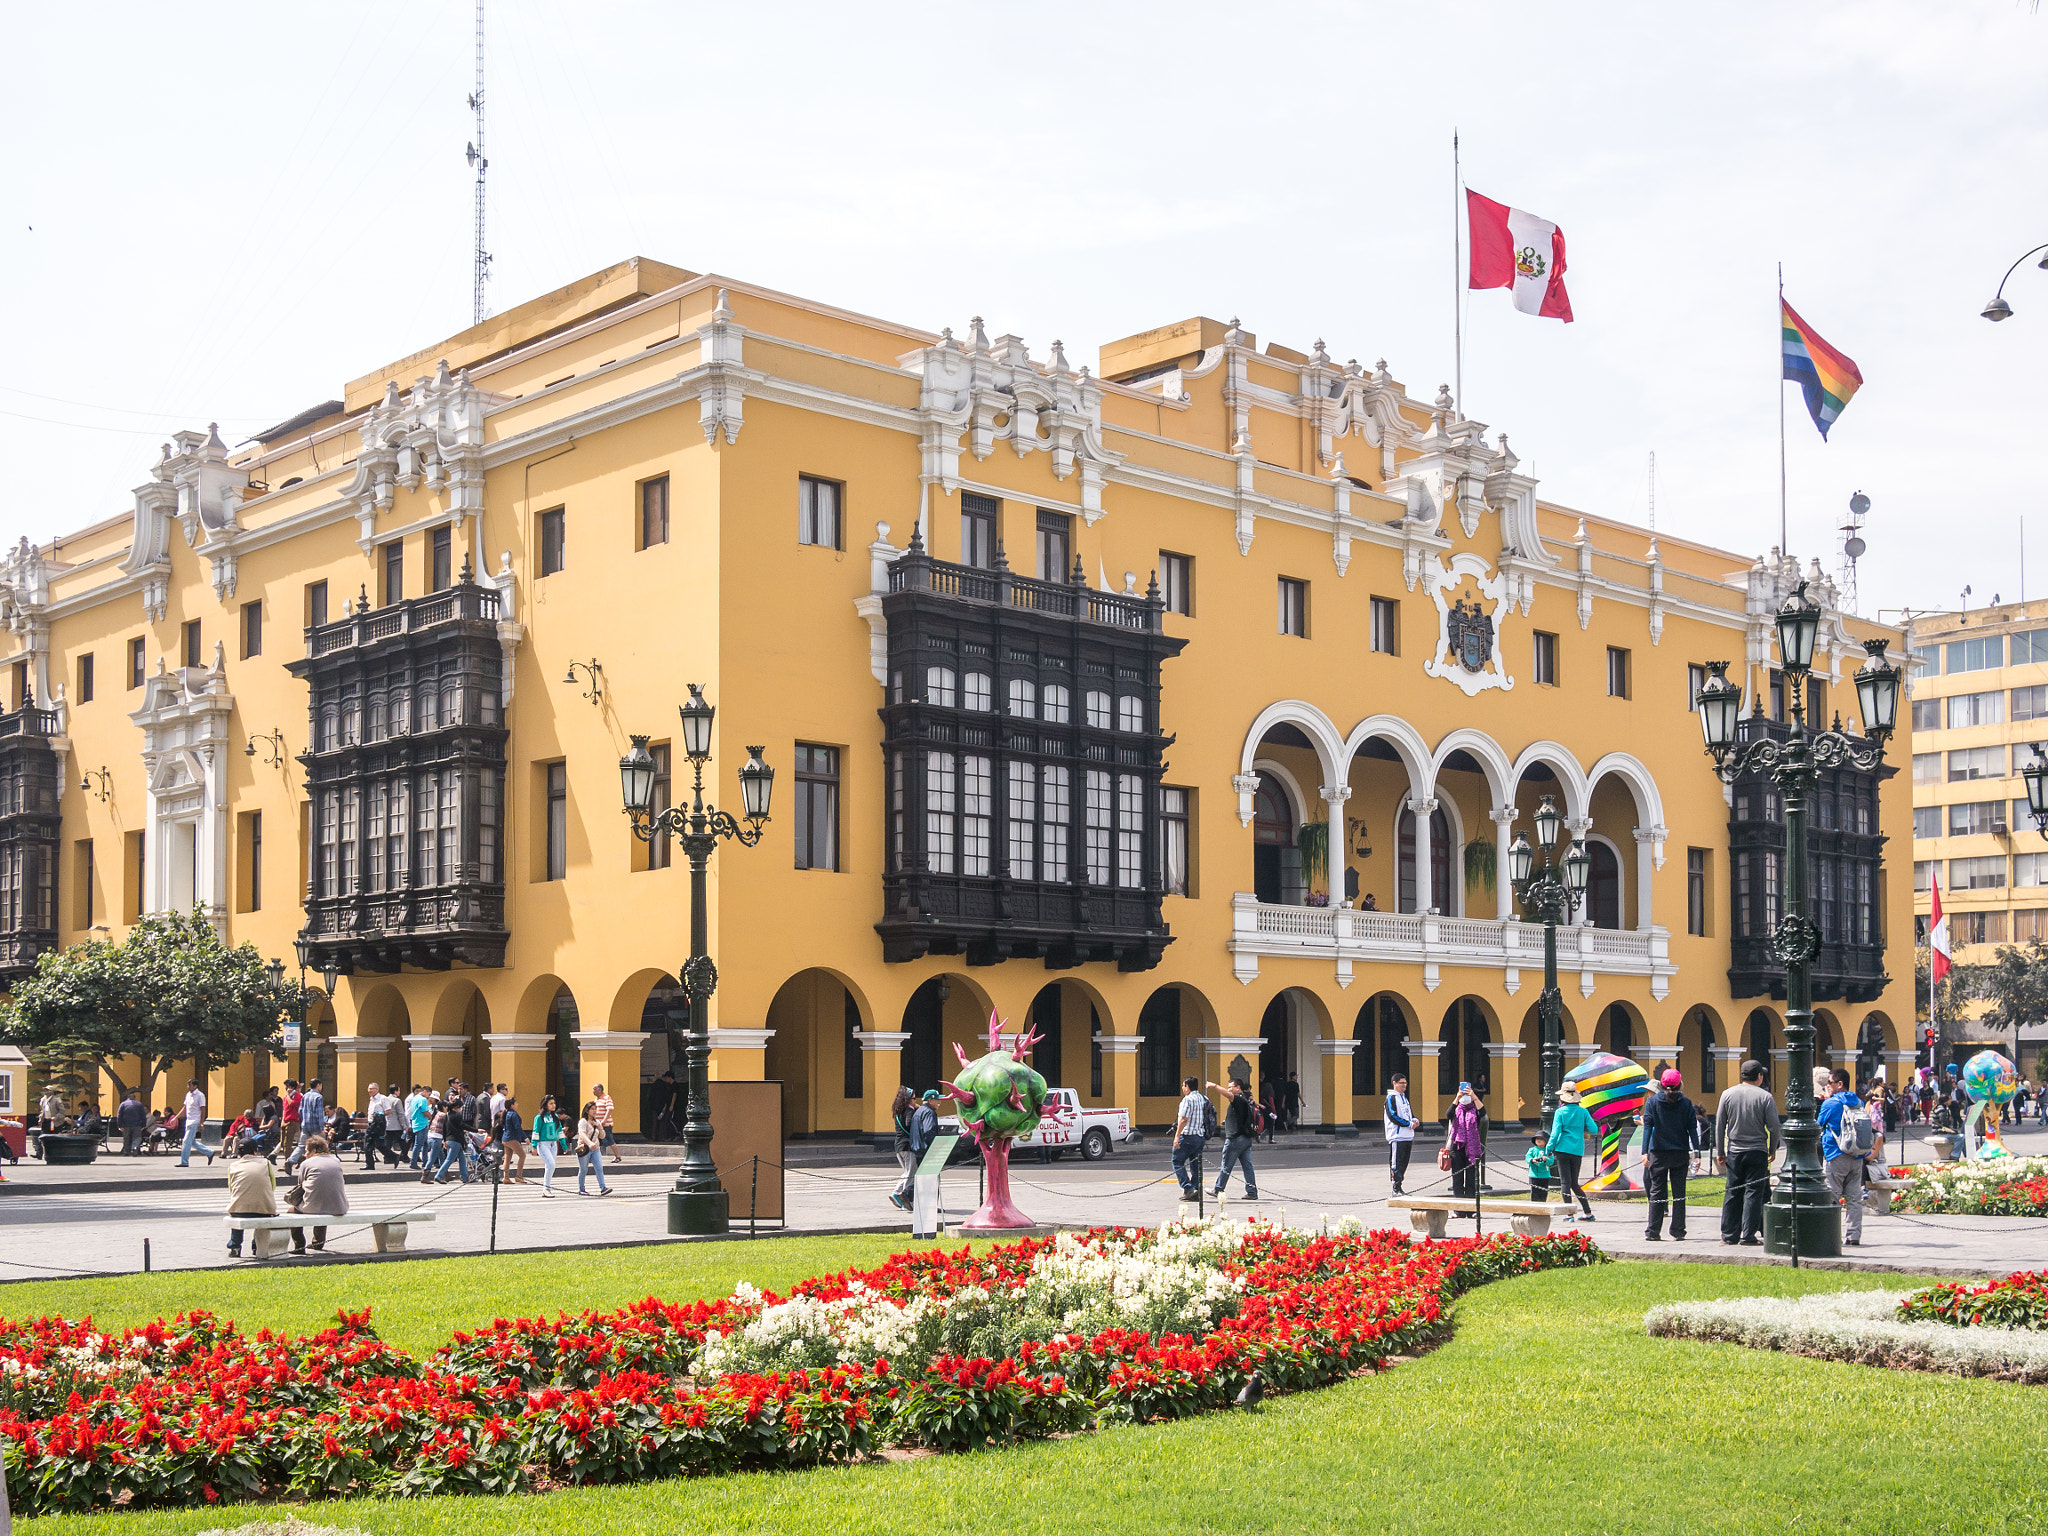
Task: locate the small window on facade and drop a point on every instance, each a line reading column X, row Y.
column 1174, row 846
column 1927, row 821
column 660, row 852
column 1926, row 767
column 553, row 540
column 1023, row 699
column 1545, row 658
column 1054, row 700
column 976, row 692
column 316, row 604
column 135, row 661
column 654, row 512
column 20, row 698
column 1097, row 704
column 1617, row 672
column 1978, row 655
column 1052, row 545
column 1130, row 713
column 817, row 807
column 1386, row 637
column 557, row 821
column 1695, row 681
column 440, row 554
column 1968, row 709
column 1177, row 582
column 1696, row 892
column 817, row 512
column 978, row 529
column 193, row 642
column 1976, row 763
column 252, row 630
column 1293, row 607
column 394, row 572
column 1927, row 714
column 2030, row 703
column 85, row 681
column 938, row 686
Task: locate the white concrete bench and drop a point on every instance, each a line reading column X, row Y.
column 387, row 1228
column 1530, row 1218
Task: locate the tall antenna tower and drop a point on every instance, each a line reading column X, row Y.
column 476, row 158
column 1653, row 490
column 1853, row 548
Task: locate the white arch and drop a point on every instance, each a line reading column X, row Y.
column 1316, row 725
column 1488, row 753
column 1265, row 766
column 1642, row 785
column 1406, row 741
column 1620, row 880
column 1578, row 789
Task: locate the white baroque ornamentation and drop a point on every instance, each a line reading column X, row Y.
column 433, row 436
column 1440, row 580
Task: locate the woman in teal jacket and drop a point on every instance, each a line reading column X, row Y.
column 1569, row 1128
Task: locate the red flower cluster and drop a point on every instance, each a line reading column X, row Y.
column 193, row 1411
column 2020, row 1300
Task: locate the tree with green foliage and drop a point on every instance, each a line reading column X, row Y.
column 170, row 991
column 2016, row 986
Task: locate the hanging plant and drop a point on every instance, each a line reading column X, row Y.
column 1313, row 841
column 1482, row 863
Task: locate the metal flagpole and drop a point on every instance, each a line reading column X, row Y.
column 1457, row 277
column 1784, row 539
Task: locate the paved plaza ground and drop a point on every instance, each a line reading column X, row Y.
column 56, row 1221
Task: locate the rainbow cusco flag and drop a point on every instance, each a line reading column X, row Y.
column 1829, row 378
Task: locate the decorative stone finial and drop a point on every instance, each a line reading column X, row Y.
column 1059, row 358
column 721, row 310
column 977, row 338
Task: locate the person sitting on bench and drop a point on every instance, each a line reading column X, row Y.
column 322, row 1191
column 252, row 1189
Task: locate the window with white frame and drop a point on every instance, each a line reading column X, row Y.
column 938, row 686
column 1023, row 819
column 1053, row 700
column 1975, row 818
column 1130, row 712
column 1967, row 709
column 1976, row 763
column 1173, row 839
column 976, row 691
column 1055, row 810
column 1985, row 874
column 1098, row 709
column 1023, row 699
column 1130, row 831
column 941, row 812
column 2030, row 869
column 1099, row 812
column 977, row 808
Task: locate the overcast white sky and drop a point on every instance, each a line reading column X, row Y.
column 236, row 208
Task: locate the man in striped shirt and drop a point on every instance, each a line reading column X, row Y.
column 601, row 1117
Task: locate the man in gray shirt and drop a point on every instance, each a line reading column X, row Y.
column 1746, row 1133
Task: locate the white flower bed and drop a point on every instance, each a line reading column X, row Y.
column 1169, row 1283
column 1971, row 1181
column 1855, row 1326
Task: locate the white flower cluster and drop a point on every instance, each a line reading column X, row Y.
column 1855, row 1326
column 1975, row 1177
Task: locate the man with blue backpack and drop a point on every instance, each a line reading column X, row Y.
column 1847, row 1138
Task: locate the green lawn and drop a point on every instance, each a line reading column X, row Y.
column 1550, row 1411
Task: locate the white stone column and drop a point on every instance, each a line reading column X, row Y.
column 1575, row 830
column 1336, row 847
column 1425, row 895
column 1647, row 842
column 1503, row 837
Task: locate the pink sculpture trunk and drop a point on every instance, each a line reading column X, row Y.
column 998, row 1211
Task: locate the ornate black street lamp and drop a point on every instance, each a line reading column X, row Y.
column 698, row 1203
column 1998, row 309
column 1549, row 896
column 1802, row 1218
column 305, row 952
column 2036, row 775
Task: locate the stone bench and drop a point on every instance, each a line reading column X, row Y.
column 387, row 1228
column 1530, row 1218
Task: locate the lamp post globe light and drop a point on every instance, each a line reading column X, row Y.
column 1549, row 896
column 2036, row 775
column 698, row 1204
column 1998, row 309
column 1802, row 1219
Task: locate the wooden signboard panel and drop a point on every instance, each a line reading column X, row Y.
column 746, row 1119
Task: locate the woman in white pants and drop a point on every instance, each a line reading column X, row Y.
column 547, row 1137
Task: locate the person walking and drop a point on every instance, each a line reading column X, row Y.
column 1570, row 1129
column 1240, row 1135
column 547, row 1138
column 1400, row 1122
column 1845, row 1137
column 608, row 1140
column 1671, row 1129
column 195, row 1121
column 1290, row 1100
column 458, row 1119
column 665, row 1106
column 1746, row 1133
column 1191, row 1125
column 374, row 1129
column 419, row 1110
column 252, row 1190
column 288, row 1126
column 512, row 1137
column 50, row 1112
column 1465, row 1143
column 590, row 1151
column 436, row 1138
column 312, row 1120
column 322, row 1191
column 132, row 1120
column 900, row 1109
column 924, row 1129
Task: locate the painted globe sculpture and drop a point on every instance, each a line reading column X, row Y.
column 1611, row 1089
column 1991, row 1078
column 1001, row 1098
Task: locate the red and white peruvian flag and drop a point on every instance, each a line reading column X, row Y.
column 1517, row 250
column 1937, row 937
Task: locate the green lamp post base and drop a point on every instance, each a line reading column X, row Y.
column 1819, row 1227
column 708, row 1213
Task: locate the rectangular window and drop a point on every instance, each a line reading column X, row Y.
column 1052, row 545
column 1978, row 655
column 1967, row 709
column 193, row 642
column 941, row 812
column 440, row 560
column 1976, row 763
column 351, row 838
column 1099, row 812
column 1927, row 714
column 817, row 512
column 316, row 604
column 976, row 692
column 1923, row 873
column 1023, row 818
column 2029, row 923
column 1023, row 699
column 660, row 850
column 1778, row 697
column 1978, row 927
column 2030, row 647
column 1545, row 658
column 1055, row 816
column 1864, row 905
column 1175, row 847
column 1816, row 703
column 553, row 540
column 251, row 829
column 896, row 811
column 135, row 663
column 2031, row 703
column 1617, row 672
column 426, row 803
column 978, row 529
column 394, row 572
column 85, row 678
column 1986, row 874
column 1293, row 607
column 939, row 686
column 1927, row 821
column 490, row 822
column 1696, row 891
column 853, row 1081
column 1095, row 707
column 1130, row 713
column 1386, row 637
column 2030, row 869
column 88, row 885
column 1695, row 683
column 977, row 815
column 1830, row 900
column 654, row 512
column 817, row 807
column 1177, row 582
column 1130, row 831
column 1052, row 700
column 557, row 821
column 1975, row 818
column 1926, row 767
column 1929, row 656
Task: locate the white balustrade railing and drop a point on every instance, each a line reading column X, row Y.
column 1262, row 929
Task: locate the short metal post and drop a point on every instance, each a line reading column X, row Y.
column 754, row 1194
column 497, row 1176
column 145, row 1255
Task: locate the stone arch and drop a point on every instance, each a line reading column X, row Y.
column 1304, row 1022
column 948, row 1009
column 1383, row 1026
column 1310, row 721
column 456, row 1006
column 1484, row 750
column 1700, row 1031
column 1406, row 741
column 381, row 1011
column 1575, row 788
column 1873, row 1040
column 1528, row 1072
column 1621, row 1024
column 636, row 1009
column 530, row 1015
column 1621, row 882
column 1172, row 1018
column 1298, row 799
column 1829, row 1039
column 1468, row 1025
column 813, row 1051
column 1642, row 785
column 548, row 1007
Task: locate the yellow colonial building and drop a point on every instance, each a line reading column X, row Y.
column 1185, row 705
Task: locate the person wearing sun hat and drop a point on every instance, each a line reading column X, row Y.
column 1671, row 1134
column 1570, row 1128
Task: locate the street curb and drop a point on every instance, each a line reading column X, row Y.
column 1864, row 1266
column 211, row 1180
